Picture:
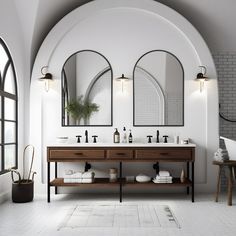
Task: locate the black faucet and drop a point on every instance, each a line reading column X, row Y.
column 165, row 138
column 158, row 136
column 78, row 138
column 86, row 136
column 94, row 138
column 149, row 138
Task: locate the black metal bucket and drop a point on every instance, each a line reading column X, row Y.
column 22, row 191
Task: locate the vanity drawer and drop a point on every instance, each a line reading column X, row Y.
column 76, row 154
column 119, row 154
column 164, row 154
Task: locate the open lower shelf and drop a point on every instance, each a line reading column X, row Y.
column 105, row 182
column 97, row 182
column 176, row 182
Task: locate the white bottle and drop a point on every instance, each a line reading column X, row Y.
column 124, row 137
column 182, row 176
column 176, row 139
column 113, row 175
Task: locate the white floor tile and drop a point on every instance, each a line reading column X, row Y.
column 204, row 217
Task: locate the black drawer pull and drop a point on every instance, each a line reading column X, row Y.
column 79, row 154
column 164, row 153
column 120, row 153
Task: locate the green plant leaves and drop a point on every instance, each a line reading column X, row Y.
column 81, row 109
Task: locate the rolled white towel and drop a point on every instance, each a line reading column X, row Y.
column 73, row 176
column 72, row 180
column 224, row 153
column 88, row 175
column 79, row 180
column 220, row 150
column 218, row 158
column 88, row 180
column 69, row 172
column 221, row 155
column 164, row 173
column 163, row 177
column 162, row 181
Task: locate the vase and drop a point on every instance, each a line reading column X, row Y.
column 182, row 176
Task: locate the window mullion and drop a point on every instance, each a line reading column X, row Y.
column 2, row 133
column 1, row 83
column 5, row 71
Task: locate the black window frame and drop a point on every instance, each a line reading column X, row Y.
column 14, row 97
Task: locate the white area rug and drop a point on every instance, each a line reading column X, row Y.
column 119, row 216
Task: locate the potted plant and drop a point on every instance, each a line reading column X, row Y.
column 81, row 109
column 75, row 109
column 88, row 109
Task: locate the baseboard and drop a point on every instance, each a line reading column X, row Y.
column 4, row 197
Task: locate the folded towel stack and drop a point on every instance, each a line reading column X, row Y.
column 79, row 177
column 163, row 177
column 221, row 155
column 164, row 173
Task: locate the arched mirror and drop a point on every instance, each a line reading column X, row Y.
column 158, row 79
column 87, row 90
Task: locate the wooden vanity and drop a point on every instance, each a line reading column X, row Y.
column 121, row 153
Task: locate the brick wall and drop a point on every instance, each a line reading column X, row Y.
column 226, row 69
column 225, row 63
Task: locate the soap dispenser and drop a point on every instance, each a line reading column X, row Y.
column 116, row 136
column 124, row 137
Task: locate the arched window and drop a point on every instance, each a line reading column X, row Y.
column 8, row 110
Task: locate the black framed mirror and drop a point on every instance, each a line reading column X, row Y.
column 158, row 96
column 86, row 90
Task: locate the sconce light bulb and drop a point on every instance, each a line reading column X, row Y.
column 47, row 77
column 201, row 77
column 46, row 84
column 122, row 86
column 201, row 85
column 122, row 79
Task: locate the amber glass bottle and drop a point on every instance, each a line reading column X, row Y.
column 116, row 136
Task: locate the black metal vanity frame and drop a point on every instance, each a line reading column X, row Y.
column 121, row 155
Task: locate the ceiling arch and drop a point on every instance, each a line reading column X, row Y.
column 42, row 15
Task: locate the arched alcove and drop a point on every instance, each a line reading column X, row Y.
column 123, row 31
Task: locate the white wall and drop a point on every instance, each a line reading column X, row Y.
column 213, row 19
column 125, row 30
column 10, row 32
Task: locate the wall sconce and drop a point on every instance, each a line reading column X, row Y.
column 47, row 77
column 122, row 79
column 201, row 77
